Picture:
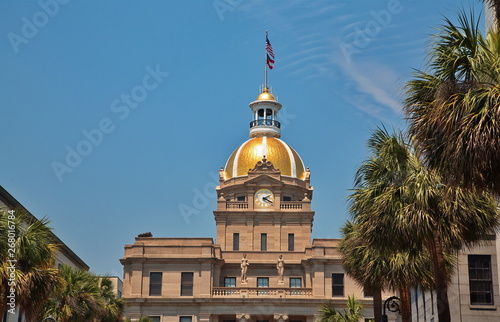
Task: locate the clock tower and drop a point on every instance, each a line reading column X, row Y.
column 264, row 196
column 263, row 265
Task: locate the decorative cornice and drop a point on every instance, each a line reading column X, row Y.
column 264, row 166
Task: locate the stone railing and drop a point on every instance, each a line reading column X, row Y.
column 260, row 292
column 226, row 291
column 236, row 205
column 291, row 205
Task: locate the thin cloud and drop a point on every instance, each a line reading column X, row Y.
column 375, row 80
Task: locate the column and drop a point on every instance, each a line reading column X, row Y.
column 318, row 281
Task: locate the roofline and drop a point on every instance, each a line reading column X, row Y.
column 13, row 203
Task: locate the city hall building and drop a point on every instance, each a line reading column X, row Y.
column 263, row 265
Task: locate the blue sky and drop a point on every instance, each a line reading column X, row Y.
column 117, row 115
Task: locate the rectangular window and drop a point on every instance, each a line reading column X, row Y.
column 287, row 198
column 229, row 281
column 295, row 282
column 367, row 293
column 263, row 242
column 186, row 284
column 236, row 241
column 337, row 285
column 155, row 283
column 262, row 281
column 240, row 198
column 480, row 280
column 185, row 319
column 291, row 242
column 155, row 318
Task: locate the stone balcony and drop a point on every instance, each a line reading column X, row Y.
column 283, row 205
column 253, row 292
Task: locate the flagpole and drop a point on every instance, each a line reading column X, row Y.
column 265, row 65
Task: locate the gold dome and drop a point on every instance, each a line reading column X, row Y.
column 278, row 152
column 265, row 96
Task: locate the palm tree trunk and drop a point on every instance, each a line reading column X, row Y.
column 405, row 303
column 494, row 6
column 377, row 305
column 435, row 249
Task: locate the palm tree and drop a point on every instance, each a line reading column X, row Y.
column 352, row 313
column 453, row 106
column 78, row 298
column 401, row 205
column 494, row 6
column 113, row 306
column 28, row 254
column 378, row 269
column 83, row 296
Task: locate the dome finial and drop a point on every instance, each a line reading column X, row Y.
column 265, row 95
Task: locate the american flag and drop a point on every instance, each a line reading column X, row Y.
column 269, row 48
column 270, row 62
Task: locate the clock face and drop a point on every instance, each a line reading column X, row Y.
column 264, row 198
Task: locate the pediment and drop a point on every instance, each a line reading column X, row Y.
column 264, row 167
column 263, row 180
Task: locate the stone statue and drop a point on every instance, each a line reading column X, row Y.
column 244, row 268
column 280, row 266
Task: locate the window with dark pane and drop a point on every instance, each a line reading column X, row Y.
column 187, row 284
column 229, row 281
column 480, row 280
column 155, row 280
column 262, row 281
column 295, row 282
column 236, row 241
column 291, row 242
column 338, row 284
column 263, row 242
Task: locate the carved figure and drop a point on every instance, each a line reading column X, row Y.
column 244, row 268
column 280, row 266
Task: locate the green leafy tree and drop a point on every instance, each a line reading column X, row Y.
column 352, row 313
column 27, row 253
column 113, row 306
column 379, row 269
column 77, row 299
column 452, row 105
column 84, row 297
column 401, row 205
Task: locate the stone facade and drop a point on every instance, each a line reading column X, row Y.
column 214, row 288
column 263, row 265
column 474, row 293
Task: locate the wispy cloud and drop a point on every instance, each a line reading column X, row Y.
column 375, row 82
column 370, row 86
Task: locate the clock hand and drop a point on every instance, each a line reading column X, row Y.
column 267, row 199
